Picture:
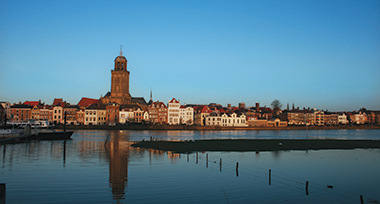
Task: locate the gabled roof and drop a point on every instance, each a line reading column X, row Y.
column 85, row 102
column 174, row 101
column 158, row 104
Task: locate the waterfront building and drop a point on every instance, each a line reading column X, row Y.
column 158, row 113
column 58, row 113
column 174, row 112
column 257, row 122
column 342, row 118
column 277, row 123
column 126, row 115
column 319, row 117
column 112, row 110
column 6, row 105
column 373, row 117
column 225, row 120
column 80, row 116
column 35, row 113
column 20, row 112
column 298, row 117
column 138, row 115
column 358, row 118
column 186, row 115
column 71, row 113
column 91, row 116
column 200, row 114
column 331, row 118
column 46, row 113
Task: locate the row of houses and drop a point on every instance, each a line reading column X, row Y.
column 92, row 112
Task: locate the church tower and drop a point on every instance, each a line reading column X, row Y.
column 120, row 81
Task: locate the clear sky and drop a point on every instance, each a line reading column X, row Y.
column 318, row 54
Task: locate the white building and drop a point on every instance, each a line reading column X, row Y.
column 231, row 120
column 186, row 115
column 126, row 115
column 146, row 116
column 342, row 118
column 91, row 117
column 58, row 114
column 173, row 112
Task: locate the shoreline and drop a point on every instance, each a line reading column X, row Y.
column 210, row 128
column 256, row 145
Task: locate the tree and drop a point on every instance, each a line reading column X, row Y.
column 276, row 105
column 276, row 108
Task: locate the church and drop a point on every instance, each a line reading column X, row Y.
column 120, row 85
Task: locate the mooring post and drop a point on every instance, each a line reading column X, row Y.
column 220, row 164
column 206, row 160
column 270, row 174
column 188, row 157
column 2, row 193
column 307, row 187
column 237, row 168
column 361, row 199
column 64, row 122
column 197, row 158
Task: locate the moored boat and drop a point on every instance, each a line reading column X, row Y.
column 52, row 135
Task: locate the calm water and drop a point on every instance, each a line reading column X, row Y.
column 86, row 170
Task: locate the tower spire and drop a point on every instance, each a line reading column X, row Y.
column 121, row 50
column 151, row 94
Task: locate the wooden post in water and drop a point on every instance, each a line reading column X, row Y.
column 2, row 193
column 206, row 160
column 270, row 174
column 361, row 199
column 196, row 158
column 237, row 168
column 188, row 157
column 307, row 187
column 220, row 164
column 64, row 122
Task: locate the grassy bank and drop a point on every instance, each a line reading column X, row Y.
column 257, row 144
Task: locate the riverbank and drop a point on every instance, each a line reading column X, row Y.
column 209, row 128
column 256, row 144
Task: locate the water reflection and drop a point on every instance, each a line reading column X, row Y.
column 91, row 168
column 118, row 150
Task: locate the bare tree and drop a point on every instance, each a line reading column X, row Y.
column 276, row 104
column 276, row 108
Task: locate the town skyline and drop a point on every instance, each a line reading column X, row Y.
column 322, row 55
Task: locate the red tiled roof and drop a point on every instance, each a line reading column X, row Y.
column 173, row 101
column 57, row 101
column 84, row 102
column 31, row 103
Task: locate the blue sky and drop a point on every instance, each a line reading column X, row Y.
column 318, row 54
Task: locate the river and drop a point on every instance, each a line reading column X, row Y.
column 93, row 169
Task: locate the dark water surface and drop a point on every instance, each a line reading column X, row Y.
column 86, row 169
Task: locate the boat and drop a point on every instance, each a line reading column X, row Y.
column 52, row 135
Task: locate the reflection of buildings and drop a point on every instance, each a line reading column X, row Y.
column 119, row 151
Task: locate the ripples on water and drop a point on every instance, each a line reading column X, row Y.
column 86, row 170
